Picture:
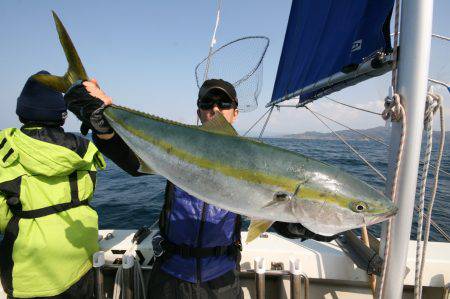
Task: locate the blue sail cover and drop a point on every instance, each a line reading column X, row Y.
column 323, row 36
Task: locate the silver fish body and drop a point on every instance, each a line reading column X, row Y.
column 249, row 177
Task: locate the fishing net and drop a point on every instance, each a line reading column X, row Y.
column 239, row 62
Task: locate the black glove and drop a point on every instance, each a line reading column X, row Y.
column 88, row 109
column 296, row 231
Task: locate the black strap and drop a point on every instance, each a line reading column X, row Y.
column 93, row 175
column 16, row 209
column 2, row 143
column 167, row 207
column 198, row 252
column 237, row 231
column 8, row 154
column 73, row 183
column 48, row 210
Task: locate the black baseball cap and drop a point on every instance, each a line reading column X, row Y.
column 217, row 84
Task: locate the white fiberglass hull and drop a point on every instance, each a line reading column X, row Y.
column 331, row 273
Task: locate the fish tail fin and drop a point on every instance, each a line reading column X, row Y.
column 256, row 228
column 75, row 70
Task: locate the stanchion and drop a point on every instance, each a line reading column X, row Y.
column 260, row 277
column 295, row 278
column 128, row 267
column 99, row 263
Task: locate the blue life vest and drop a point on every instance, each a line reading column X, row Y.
column 188, row 221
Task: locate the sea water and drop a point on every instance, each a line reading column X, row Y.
column 126, row 202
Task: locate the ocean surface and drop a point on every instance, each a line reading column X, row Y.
column 126, row 202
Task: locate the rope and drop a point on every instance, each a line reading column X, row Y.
column 435, row 225
column 213, row 39
column 351, row 147
column 154, row 225
column 433, row 104
column 354, row 107
column 432, row 222
column 265, row 124
column 139, row 290
column 446, row 85
column 438, row 36
column 245, row 134
column 393, row 109
column 354, row 130
column 372, row 138
column 440, row 170
column 443, row 171
column 441, row 37
column 396, row 112
column 118, row 281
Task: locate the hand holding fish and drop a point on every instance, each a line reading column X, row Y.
column 94, row 90
column 87, row 101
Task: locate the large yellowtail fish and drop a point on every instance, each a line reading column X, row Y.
column 214, row 164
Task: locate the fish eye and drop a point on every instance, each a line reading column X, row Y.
column 280, row 196
column 359, row 206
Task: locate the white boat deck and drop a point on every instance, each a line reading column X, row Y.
column 319, row 260
column 331, row 272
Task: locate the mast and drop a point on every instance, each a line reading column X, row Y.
column 415, row 43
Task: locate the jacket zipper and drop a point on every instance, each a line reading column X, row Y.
column 199, row 241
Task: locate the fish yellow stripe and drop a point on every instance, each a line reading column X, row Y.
column 256, row 177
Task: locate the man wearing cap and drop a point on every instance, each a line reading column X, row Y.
column 198, row 247
column 47, row 179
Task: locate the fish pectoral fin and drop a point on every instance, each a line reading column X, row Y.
column 219, row 125
column 271, row 203
column 256, row 228
column 144, row 168
column 75, row 70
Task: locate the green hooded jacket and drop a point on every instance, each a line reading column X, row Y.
column 50, row 231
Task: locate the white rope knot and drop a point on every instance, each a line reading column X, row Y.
column 433, row 103
column 392, row 109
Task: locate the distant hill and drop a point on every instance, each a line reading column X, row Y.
column 377, row 132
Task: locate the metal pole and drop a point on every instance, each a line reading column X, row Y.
column 260, row 272
column 306, row 287
column 416, row 23
column 295, row 278
column 99, row 263
column 128, row 268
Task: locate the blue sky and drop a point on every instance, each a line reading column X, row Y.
column 144, row 52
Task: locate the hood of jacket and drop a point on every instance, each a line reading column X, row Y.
column 44, row 158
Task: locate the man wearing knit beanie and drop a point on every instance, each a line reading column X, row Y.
column 40, row 104
column 47, row 179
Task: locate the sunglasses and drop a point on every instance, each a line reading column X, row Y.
column 208, row 103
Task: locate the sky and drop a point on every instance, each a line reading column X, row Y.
column 144, row 53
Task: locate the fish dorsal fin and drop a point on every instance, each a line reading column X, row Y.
column 256, row 228
column 219, row 125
